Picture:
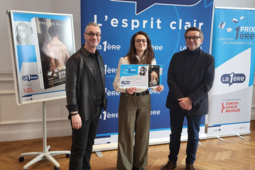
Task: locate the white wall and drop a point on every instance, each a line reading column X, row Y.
column 235, row 3
column 25, row 122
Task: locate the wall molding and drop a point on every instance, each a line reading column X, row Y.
column 253, row 116
column 4, row 74
column 6, row 79
column 7, row 92
column 32, row 121
column 35, row 133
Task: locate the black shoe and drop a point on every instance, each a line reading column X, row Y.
column 169, row 166
column 190, row 167
column 134, row 168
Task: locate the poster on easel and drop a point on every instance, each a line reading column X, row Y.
column 42, row 43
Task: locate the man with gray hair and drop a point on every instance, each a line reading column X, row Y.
column 85, row 94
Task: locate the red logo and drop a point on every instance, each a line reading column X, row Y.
column 28, row 90
column 222, row 108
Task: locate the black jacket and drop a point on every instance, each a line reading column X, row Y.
column 80, row 83
column 195, row 86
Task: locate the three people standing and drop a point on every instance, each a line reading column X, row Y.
column 190, row 77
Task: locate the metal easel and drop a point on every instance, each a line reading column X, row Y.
column 46, row 154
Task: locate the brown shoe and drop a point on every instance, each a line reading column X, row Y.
column 169, row 166
column 190, row 167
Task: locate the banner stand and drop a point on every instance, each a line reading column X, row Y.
column 227, row 135
column 232, row 45
column 46, row 154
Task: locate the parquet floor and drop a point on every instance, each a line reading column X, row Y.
column 233, row 154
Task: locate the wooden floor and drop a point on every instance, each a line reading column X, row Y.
column 233, row 154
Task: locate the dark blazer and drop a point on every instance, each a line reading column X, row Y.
column 195, row 86
column 80, row 83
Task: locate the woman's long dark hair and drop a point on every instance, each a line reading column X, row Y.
column 148, row 53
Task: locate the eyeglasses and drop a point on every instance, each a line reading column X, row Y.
column 139, row 40
column 193, row 38
column 92, row 34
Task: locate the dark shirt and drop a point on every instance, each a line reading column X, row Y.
column 190, row 57
column 81, row 83
column 98, row 80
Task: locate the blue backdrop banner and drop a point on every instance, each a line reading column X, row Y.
column 165, row 21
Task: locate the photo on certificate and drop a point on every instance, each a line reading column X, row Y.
column 142, row 70
column 154, row 75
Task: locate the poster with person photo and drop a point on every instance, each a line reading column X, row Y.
column 42, row 43
column 23, row 33
column 53, row 47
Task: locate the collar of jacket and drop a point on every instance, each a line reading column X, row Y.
column 86, row 53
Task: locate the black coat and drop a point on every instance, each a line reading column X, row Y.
column 80, row 83
column 195, row 86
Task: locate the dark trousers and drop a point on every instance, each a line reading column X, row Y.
column 134, row 115
column 83, row 141
column 176, row 121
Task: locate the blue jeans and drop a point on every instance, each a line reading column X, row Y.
column 176, row 124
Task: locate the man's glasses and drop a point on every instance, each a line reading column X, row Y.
column 92, row 34
column 193, row 38
column 139, row 40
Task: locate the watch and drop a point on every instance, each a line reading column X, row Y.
column 74, row 114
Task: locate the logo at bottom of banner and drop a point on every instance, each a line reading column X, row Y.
column 229, row 128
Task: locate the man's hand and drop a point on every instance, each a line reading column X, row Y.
column 76, row 121
column 185, row 103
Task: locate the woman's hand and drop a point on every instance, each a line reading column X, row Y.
column 160, row 88
column 131, row 90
